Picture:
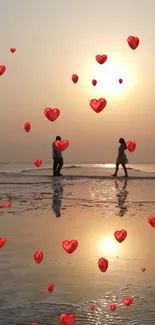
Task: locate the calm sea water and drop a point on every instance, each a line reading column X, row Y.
column 43, row 215
column 19, row 168
column 28, row 173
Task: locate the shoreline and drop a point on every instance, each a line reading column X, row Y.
column 75, row 177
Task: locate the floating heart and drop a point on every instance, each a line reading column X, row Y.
column 27, row 126
column 133, row 42
column 8, row 204
column 94, row 82
column 98, row 105
column 51, row 114
column 101, row 58
column 62, row 145
column 2, row 69
column 128, row 301
column 131, row 145
column 120, row 235
column 75, row 78
column 103, row 264
column 120, row 81
column 50, row 287
column 2, row 206
column 12, row 49
column 92, row 307
column 151, row 221
column 37, row 162
column 38, row 257
column 113, row 307
column 67, row 319
column 143, row 269
column 70, row 246
column 2, row 242
column 34, row 323
column 41, row 292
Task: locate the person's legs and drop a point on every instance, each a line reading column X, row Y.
column 55, row 166
column 60, row 164
column 116, row 170
column 125, row 170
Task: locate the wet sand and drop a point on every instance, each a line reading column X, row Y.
column 40, row 219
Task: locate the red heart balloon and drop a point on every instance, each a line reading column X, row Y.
column 67, row 319
column 51, row 114
column 92, row 307
column 103, row 264
column 113, row 307
column 34, row 323
column 38, row 257
column 12, row 49
column 70, row 246
column 133, row 42
column 151, row 221
column 98, row 105
column 128, row 301
column 62, row 145
column 120, row 81
column 27, row 126
column 101, row 58
column 2, row 206
column 2, row 242
column 37, row 162
column 75, row 78
column 50, row 287
column 2, row 69
column 8, row 204
column 131, row 146
column 143, row 269
column 120, row 235
column 94, row 82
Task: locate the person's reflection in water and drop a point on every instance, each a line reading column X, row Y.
column 57, row 197
column 121, row 194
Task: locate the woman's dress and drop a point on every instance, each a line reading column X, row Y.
column 121, row 158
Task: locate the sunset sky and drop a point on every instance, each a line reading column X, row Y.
column 55, row 39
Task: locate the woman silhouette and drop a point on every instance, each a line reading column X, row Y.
column 121, row 158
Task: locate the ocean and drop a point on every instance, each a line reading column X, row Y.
column 18, row 168
column 24, row 171
column 44, row 212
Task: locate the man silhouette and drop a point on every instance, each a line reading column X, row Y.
column 57, row 158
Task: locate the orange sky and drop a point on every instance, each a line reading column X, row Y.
column 55, row 39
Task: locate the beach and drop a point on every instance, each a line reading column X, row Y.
column 89, row 208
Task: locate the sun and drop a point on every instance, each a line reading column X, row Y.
column 107, row 76
column 107, row 246
column 108, row 79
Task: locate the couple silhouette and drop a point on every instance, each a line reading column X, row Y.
column 58, row 158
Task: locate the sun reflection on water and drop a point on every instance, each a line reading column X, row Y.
column 107, row 245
